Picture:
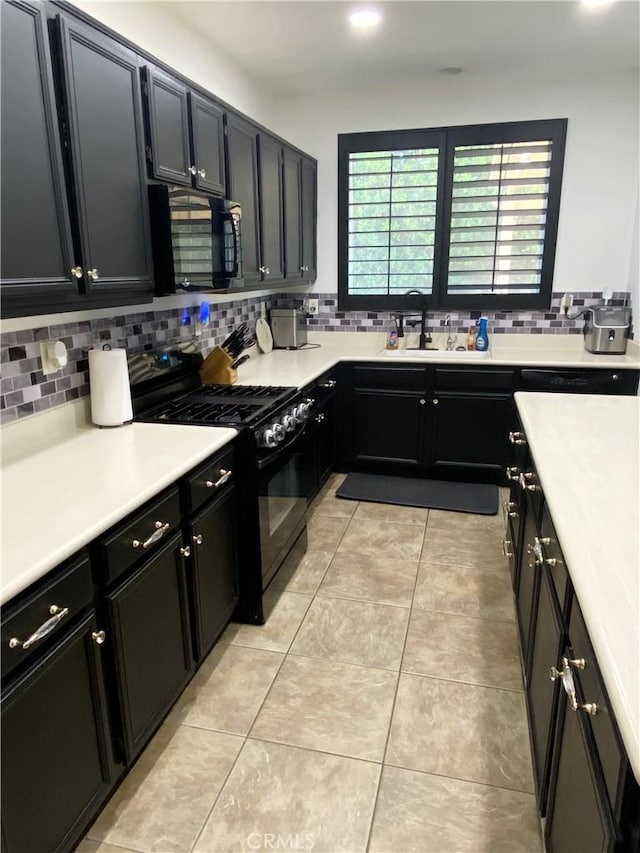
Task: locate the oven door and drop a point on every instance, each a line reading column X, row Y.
column 282, row 502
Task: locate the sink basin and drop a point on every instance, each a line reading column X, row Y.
column 438, row 354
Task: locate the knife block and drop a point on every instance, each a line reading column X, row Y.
column 216, row 368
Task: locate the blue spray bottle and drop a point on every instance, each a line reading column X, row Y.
column 482, row 337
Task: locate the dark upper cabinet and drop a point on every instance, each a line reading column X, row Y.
column 167, row 126
column 299, row 176
column 106, row 142
column 207, row 140
column 242, row 180
column 185, row 134
column 309, row 194
column 271, row 206
column 36, row 256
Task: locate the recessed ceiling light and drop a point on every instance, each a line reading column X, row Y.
column 365, row 19
column 595, row 3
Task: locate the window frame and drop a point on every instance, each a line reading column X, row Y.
column 446, row 139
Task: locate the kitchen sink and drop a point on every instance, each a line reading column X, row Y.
column 437, row 354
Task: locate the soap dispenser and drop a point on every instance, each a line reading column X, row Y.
column 482, row 338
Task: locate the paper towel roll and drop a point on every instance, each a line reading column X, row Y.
column 110, row 390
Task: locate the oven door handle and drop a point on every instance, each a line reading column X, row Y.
column 267, row 460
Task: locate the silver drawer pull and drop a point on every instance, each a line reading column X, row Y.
column 157, row 534
column 569, row 686
column 517, row 438
column 224, row 477
column 197, row 538
column 506, row 544
column 98, row 637
column 40, row 633
column 330, row 383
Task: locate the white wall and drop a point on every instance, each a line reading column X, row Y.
column 600, row 186
column 634, row 273
column 153, row 27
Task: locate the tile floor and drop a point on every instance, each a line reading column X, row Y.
column 380, row 707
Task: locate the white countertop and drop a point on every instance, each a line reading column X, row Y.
column 587, row 453
column 58, row 498
column 300, row 367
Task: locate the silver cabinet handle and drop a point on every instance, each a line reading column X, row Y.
column 57, row 613
column 224, row 477
column 517, row 438
column 569, row 686
column 513, row 473
column 186, row 552
column 505, row 548
column 202, row 173
column 330, row 383
column 76, row 272
column 436, row 401
column 525, row 486
column 423, row 402
column 304, row 269
column 157, row 534
column 93, row 274
column 193, row 170
column 509, row 508
column 98, row 637
column 197, row 539
column 319, row 418
column 265, row 270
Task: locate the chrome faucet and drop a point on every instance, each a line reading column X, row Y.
column 450, row 341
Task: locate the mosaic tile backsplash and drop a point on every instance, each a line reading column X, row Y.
column 24, row 389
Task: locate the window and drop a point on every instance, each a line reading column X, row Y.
column 466, row 215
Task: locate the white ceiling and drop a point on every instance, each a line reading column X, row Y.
column 305, row 46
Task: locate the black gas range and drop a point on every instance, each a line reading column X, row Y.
column 271, row 458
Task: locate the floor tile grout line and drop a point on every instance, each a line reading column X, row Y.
column 461, row 681
column 416, row 609
column 257, row 739
column 345, row 662
column 393, row 710
column 344, row 597
column 460, row 779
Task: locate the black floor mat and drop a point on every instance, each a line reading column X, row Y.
column 435, row 494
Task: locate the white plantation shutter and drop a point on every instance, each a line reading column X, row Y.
column 391, row 221
column 499, row 202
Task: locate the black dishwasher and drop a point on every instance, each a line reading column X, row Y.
column 579, row 381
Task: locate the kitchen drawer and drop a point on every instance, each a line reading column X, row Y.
column 470, row 379
column 553, row 558
column 397, row 378
column 47, row 611
column 210, row 480
column 590, row 688
column 138, row 535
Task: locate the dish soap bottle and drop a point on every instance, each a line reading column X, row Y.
column 482, row 337
column 392, row 336
column 471, row 339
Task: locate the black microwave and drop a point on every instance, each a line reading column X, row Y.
column 196, row 240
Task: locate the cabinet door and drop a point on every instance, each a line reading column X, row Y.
column 107, row 154
column 207, row 136
column 527, row 584
column 56, row 751
column 167, row 127
column 547, row 640
column 387, row 428
column 292, row 216
column 214, row 546
column 150, row 629
column 470, row 434
column 271, row 206
column 37, row 253
column 308, row 184
column 243, row 188
column 578, row 814
column 326, row 437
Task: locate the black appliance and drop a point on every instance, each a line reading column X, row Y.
column 196, row 240
column 166, row 388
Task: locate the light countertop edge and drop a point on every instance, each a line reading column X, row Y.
column 101, row 476
column 591, row 483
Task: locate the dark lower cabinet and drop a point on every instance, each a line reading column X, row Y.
column 579, row 818
column 214, row 550
column 388, row 429
column 527, row 588
column 468, row 434
column 57, row 765
column 36, row 256
column 149, row 626
column 321, row 433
